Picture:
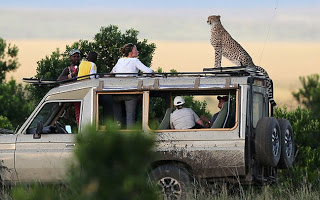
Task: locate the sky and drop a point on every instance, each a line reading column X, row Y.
column 185, row 20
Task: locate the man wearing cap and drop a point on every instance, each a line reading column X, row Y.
column 184, row 118
column 72, row 70
column 222, row 100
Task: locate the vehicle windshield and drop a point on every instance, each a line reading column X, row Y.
column 48, row 111
column 53, row 113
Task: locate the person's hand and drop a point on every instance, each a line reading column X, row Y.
column 204, row 118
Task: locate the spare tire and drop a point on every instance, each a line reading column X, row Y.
column 267, row 142
column 287, row 144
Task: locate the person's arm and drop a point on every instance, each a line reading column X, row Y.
column 171, row 124
column 64, row 74
column 200, row 122
column 142, row 67
column 93, row 70
column 114, row 69
column 205, row 119
column 197, row 119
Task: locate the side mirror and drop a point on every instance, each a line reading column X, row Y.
column 39, row 130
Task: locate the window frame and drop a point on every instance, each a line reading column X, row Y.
column 199, row 93
column 99, row 127
column 39, row 109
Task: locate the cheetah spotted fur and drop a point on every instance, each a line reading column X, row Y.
column 225, row 45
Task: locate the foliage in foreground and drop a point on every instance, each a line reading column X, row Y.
column 114, row 165
column 110, row 165
column 306, row 130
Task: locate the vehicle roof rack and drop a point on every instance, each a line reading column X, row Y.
column 217, row 71
column 239, row 70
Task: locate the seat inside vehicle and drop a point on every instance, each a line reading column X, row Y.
column 165, row 123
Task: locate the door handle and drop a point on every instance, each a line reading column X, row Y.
column 70, row 145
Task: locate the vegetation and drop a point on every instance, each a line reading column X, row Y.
column 309, row 94
column 5, row 123
column 199, row 107
column 306, row 127
column 106, row 43
column 14, row 103
column 118, row 161
column 307, row 159
column 8, row 58
column 113, row 165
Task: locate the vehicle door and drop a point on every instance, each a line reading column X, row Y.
column 46, row 156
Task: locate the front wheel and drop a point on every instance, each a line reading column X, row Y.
column 173, row 182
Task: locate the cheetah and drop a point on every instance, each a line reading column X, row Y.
column 225, row 45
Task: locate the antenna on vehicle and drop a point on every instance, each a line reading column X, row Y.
column 264, row 45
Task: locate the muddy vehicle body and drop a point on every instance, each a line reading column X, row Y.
column 249, row 146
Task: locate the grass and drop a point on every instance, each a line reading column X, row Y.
column 264, row 192
column 217, row 191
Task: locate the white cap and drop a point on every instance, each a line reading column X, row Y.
column 178, row 101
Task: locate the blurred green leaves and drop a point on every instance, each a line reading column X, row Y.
column 108, row 165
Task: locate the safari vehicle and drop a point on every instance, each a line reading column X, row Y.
column 249, row 145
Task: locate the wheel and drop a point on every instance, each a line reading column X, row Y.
column 267, row 142
column 60, row 128
column 174, row 182
column 287, row 144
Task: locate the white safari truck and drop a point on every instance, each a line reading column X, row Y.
column 247, row 145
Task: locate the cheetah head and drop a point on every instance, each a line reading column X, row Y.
column 213, row 19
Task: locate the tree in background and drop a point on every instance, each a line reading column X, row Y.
column 157, row 108
column 48, row 68
column 199, row 107
column 309, row 94
column 14, row 107
column 106, row 43
column 13, row 103
column 8, row 58
column 5, row 123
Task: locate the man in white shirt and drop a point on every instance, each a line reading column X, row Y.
column 183, row 118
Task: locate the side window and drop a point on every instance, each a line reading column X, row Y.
column 258, row 108
column 213, row 108
column 160, row 109
column 124, row 109
column 57, row 117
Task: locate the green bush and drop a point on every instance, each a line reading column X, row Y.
column 307, row 158
column 109, row 165
column 5, row 123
